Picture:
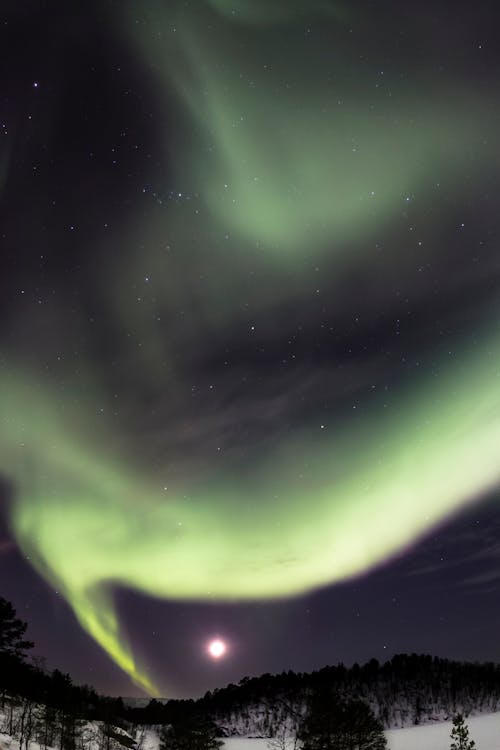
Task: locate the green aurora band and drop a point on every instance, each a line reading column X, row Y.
column 360, row 491
column 77, row 516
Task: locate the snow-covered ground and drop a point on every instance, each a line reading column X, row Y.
column 484, row 730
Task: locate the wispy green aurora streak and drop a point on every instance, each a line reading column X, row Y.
column 357, row 493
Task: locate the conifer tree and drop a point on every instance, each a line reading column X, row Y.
column 12, row 630
column 192, row 733
column 460, row 735
column 334, row 724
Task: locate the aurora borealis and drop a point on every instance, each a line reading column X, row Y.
column 250, row 320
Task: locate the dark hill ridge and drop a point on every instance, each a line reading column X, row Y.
column 407, row 690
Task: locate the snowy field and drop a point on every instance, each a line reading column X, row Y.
column 484, row 730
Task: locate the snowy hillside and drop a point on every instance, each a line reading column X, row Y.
column 409, row 690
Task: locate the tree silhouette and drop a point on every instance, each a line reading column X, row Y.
column 192, row 733
column 334, row 724
column 12, row 630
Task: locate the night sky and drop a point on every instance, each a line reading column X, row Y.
column 249, row 334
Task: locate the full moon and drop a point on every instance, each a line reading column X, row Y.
column 216, row 648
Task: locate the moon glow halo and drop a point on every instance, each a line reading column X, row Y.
column 217, row 648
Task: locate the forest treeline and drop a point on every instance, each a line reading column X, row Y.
column 404, row 691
